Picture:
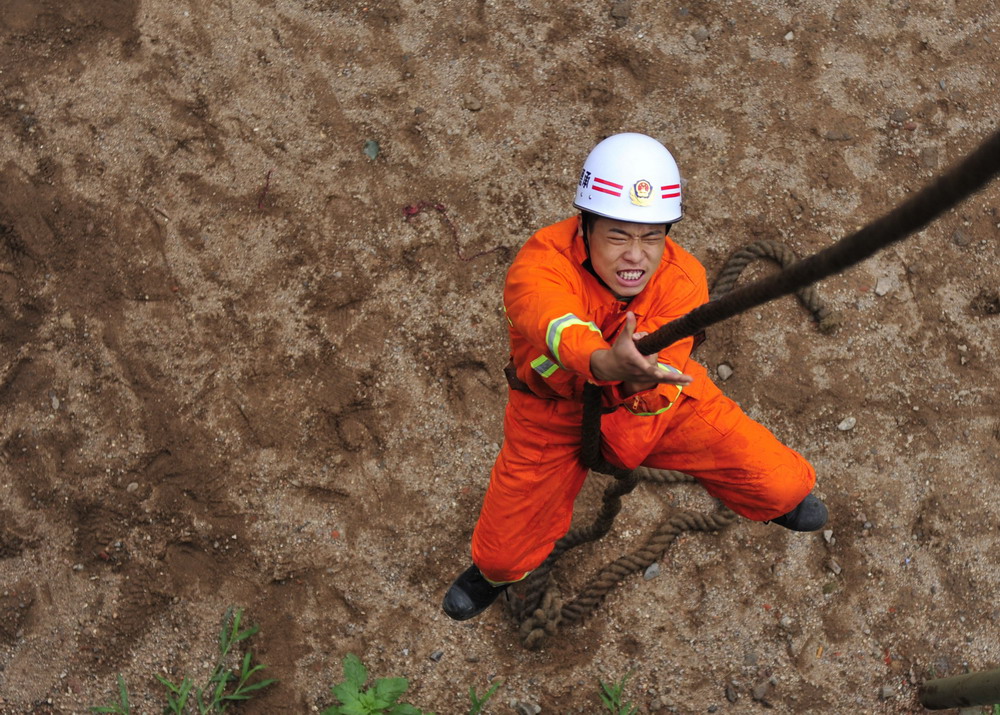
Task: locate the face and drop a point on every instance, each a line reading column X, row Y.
column 625, row 255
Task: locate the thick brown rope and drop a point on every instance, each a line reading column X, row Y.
column 827, row 320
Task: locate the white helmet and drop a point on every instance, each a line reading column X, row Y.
column 631, row 177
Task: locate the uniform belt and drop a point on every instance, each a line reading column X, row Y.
column 516, row 383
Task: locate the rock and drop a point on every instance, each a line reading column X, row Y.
column 886, row 692
column 527, row 708
column 66, row 321
column 834, row 567
column 54, row 400
column 883, row 285
column 437, row 655
column 620, row 12
column 371, row 149
column 132, row 486
column 725, row 371
column 700, row 34
column 929, row 157
column 847, row 424
column 899, row 116
column 828, row 535
column 471, row 102
column 789, row 36
column 961, row 238
column 731, row 694
column 838, row 134
column 652, row 572
column 761, row 690
column 786, row 623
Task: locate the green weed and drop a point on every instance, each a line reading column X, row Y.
column 380, row 699
column 611, row 696
column 224, row 686
column 121, row 707
column 477, row 703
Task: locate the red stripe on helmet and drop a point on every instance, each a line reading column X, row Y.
column 607, row 191
column 670, row 188
column 609, row 183
column 670, row 196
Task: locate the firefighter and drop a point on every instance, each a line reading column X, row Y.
column 577, row 297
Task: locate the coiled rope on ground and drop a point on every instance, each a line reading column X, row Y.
column 535, row 602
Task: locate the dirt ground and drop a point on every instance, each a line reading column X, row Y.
column 234, row 372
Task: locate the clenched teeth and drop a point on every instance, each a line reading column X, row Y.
column 630, row 275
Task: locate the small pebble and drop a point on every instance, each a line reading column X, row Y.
column 725, row 371
column 883, row 285
column 834, row 567
column 785, row 622
column 789, row 36
column 731, row 694
column 620, row 12
column 700, row 34
column 471, row 102
column 847, row 424
column 652, row 572
column 961, row 238
column 886, row 692
column 828, row 535
column 437, row 655
column 132, row 486
column 761, row 691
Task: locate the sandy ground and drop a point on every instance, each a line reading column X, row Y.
column 234, row 372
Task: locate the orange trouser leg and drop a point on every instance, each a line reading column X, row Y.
column 529, row 501
column 737, row 460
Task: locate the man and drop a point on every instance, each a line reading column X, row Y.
column 577, row 297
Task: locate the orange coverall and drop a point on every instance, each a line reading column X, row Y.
column 559, row 313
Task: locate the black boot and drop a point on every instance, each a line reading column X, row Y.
column 470, row 595
column 809, row 515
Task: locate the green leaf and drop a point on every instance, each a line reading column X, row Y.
column 243, row 635
column 346, row 693
column 405, row 709
column 258, row 686
column 123, row 694
column 390, row 690
column 354, row 671
column 356, row 708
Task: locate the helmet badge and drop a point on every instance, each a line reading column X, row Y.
column 641, row 193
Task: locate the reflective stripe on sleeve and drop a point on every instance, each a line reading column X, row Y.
column 553, row 336
column 543, row 366
column 635, row 401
